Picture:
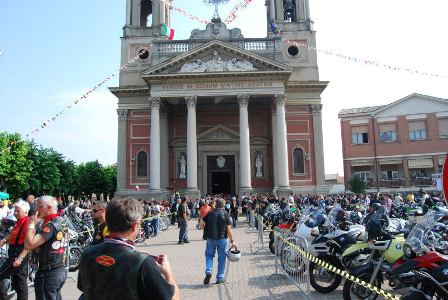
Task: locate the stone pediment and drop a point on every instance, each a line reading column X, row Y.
column 216, row 57
column 217, row 134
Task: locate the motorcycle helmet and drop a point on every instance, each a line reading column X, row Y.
column 234, row 254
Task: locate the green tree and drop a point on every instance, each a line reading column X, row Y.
column 69, row 182
column 15, row 167
column 92, row 178
column 46, row 177
column 357, row 185
column 111, row 175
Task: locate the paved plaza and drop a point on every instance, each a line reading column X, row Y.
column 253, row 277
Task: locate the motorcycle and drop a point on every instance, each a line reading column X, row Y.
column 336, row 236
column 387, row 248
column 422, row 256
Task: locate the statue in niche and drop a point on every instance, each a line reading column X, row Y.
column 182, row 164
column 259, row 165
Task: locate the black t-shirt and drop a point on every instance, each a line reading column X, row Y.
column 33, row 209
column 151, row 284
column 180, row 211
column 216, row 223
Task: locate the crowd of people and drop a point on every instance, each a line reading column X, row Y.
column 37, row 225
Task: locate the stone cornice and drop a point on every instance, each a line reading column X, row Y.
column 130, row 91
column 205, row 79
column 306, row 86
column 184, row 77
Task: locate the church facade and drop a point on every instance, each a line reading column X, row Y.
column 218, row 112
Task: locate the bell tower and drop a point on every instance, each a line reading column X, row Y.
column 144, row 19
column 290, row 20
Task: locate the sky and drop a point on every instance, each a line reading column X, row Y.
column 54, row 51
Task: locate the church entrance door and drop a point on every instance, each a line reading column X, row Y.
column 221, row 174
column 221, row 183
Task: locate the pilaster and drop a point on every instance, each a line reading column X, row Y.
column 121, row 150
column 154, row 164
column 318, row 148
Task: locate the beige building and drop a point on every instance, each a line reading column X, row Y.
column 218, row 112
column 398, row 146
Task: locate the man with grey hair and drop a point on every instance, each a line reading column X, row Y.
column 51, row 273
column 218, row 226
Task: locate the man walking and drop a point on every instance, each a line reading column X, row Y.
column 219, row 227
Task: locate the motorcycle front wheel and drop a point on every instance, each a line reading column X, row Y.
column 75, row 258
column 354, row 291
column 323, row 280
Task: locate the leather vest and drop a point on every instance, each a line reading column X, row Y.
column 51, row 254
column 110, row 271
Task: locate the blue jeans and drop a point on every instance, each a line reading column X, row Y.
column 183, row 232
column 155, row 225
column 210, row 249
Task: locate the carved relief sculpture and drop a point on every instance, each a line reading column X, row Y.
column 216, row 64
column 220, row 161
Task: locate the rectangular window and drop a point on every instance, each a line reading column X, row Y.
column 443, row 127
column 365, row 175
column 360, row 138
column 417, row 130
column 388, row 136
column 389, row 174
column 417, row 134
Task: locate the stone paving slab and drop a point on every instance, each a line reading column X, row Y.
column 253, row 277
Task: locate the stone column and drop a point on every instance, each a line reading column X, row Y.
column 162, row 12
column 274, row 149
column 282, row 143
column 154, row 159
column 155, row 13
column 245, row 178
column 192, row 148
column 121, row 151
column 318, row 149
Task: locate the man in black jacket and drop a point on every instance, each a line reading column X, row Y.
column 114, row 269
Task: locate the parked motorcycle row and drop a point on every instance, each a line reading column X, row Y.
column 408, row 254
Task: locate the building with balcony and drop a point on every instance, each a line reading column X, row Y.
column 396, row 147
column 218, row 112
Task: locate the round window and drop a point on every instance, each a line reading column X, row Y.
column 143, row 54
column 293, row 50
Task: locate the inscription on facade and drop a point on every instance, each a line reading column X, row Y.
column 215, row 85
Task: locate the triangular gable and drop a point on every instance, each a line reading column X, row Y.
column 216, row 57
column 218, row 133
column 412, row 104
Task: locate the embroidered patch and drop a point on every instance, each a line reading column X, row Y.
column 46, row 229
column 59, row 236
column 56, row 245
column 105, row 260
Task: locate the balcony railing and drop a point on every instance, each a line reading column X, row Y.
column 181, row 46
column 392, row 183
column 420, row 182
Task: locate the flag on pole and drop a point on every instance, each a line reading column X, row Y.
column 137, row 188
column 168, row 32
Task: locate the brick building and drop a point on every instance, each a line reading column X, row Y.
column 219, row 113
column 398, row 146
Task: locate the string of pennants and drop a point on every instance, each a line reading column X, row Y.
column 242, row 4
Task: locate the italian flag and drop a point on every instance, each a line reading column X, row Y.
column 168, row 32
